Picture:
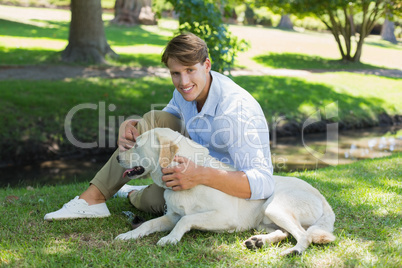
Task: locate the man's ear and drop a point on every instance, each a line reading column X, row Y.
column 168, row 150
column 208, row 65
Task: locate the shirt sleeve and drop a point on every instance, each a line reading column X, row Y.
column 251, row 154
column 173, row 107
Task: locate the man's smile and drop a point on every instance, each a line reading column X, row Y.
column 187, row 89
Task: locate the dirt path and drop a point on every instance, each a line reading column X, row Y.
column 60, row 72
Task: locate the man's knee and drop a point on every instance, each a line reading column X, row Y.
column 149, row 200
column 152, row 205
column 154, row 119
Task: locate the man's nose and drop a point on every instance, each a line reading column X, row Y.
column 185, row 80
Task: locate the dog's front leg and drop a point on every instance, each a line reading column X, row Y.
column 164, row 223
column 211, row 220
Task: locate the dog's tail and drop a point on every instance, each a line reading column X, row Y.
column 321, row 231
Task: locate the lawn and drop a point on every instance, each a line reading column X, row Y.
column 366, row 197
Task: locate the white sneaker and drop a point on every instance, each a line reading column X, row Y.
column 78, row 208
column 126, row 189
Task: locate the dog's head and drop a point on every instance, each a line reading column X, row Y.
column 152, row 151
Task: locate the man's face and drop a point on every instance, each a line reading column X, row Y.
column 192, row 82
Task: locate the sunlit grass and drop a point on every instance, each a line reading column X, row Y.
column 366, row 197
column 306, row 62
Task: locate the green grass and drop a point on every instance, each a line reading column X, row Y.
column 307, row 62
column 52, row 39
column 366, row 197
column 359, row 97
column 20, row 56
column 60, row 3
column 37, row 109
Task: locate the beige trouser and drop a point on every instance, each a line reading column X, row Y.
column 110, row 178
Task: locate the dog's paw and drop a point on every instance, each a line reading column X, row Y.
column 291, row 252
column 254, row 242
column 167, row 241
column 127, row 236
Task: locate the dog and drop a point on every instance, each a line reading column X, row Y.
column 295, row 208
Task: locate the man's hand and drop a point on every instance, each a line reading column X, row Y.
column 128, row 134
column 185, row 175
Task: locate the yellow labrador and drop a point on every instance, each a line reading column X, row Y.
column 296, row 207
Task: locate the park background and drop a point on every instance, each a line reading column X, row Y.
column 293, row 73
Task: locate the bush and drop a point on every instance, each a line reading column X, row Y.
column 310, row 23
column 205, row 20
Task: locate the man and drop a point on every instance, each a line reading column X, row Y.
column 214, row 112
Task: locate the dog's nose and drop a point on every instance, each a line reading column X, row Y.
column 118, row 159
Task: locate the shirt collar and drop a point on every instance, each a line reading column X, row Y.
column 212, row 101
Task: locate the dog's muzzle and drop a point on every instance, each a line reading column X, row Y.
column 135, row 171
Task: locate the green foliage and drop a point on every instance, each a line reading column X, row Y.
column 204, row 19
column 336, row 16
column 159, row 6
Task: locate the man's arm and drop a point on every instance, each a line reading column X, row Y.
column 187, row 175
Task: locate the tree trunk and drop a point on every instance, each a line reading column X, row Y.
column 285, row 22
column 387, row 31
column 87, row 41
column 132, row 12
column 352, row 20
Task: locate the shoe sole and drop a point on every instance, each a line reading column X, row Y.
column 74, row 218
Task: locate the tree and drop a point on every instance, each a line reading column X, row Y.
column 203, row 18
column 87, row 41
column 337, row 16
column 132, row 12
column 388, row 28
column 285, row 22
column 387, row 31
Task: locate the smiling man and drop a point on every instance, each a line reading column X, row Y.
column 213, row 111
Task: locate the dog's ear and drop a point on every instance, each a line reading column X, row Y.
column 167, row 152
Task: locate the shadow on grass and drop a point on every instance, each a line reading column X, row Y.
column 383, row 44
column 22, row 56
column 307, row 62
column 28, row 56
column 54, row 30
column 137, row 60
column 37, row 109
column 116, row 35
column 298, row 93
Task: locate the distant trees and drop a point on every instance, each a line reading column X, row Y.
column 338, row 16
column 387, row 31
column 285, row 22
column 132, row 12
column 388, row 28
column 86, row 41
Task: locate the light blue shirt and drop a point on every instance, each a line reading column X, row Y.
column 233, row 127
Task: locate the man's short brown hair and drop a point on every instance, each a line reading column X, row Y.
column 187, row 48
